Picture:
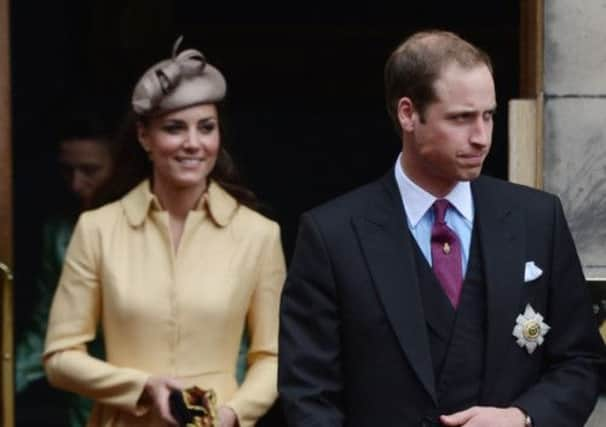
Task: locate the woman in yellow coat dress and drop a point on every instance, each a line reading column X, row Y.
column 173, row 271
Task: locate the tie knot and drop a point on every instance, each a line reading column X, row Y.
column 439, row 208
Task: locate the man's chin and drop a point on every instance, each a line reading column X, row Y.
column 470, row 174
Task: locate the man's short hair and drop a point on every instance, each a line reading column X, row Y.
column 415, row 65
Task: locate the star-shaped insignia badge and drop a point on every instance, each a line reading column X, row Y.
column 530, row 329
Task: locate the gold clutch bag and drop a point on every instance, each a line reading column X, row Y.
column 194, row 407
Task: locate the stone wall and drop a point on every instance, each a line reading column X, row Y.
column 575, row 122
column 574, row 161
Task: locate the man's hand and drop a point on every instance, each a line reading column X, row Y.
column 485, row 416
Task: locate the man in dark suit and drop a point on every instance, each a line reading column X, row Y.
column 436, row 296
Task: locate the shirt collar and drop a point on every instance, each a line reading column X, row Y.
column 417, row 201
column 219, row 204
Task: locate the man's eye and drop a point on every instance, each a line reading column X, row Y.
column 461, row 117
column 89, row 170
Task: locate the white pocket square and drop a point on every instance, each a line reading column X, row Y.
column 531, row 271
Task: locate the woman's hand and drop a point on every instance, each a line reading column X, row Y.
column 227, row 417
column 155, row 394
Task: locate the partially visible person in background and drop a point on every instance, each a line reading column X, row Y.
column 175, row 269
column 85, row 154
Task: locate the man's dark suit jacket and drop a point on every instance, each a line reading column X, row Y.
column 353, row 337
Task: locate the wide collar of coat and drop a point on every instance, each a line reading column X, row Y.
column 388, row 247
column 219, row 204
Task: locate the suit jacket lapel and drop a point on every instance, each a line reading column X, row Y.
column 387, row 245
column 502, row 240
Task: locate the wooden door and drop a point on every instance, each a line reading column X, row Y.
column 6, row 224
column 526, row 113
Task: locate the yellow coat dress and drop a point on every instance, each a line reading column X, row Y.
column 163, row 312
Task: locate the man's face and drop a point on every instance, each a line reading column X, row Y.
column 449, row 141
column 86, row 164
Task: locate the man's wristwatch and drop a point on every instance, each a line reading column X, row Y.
column 528, row 421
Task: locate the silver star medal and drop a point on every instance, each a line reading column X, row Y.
column 530, row 329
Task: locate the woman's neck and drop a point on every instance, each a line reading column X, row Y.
column 178, row 201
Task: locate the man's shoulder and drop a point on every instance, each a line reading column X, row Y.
column 509, row 191
column 353, row 202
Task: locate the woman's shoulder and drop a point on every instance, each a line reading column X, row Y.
column 254, row 218
column 133, row 204
column 225, row 210
column 253, row 227
column 100, row 216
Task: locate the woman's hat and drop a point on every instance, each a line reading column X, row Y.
column 185, row 80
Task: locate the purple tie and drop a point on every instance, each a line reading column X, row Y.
column 446, row 254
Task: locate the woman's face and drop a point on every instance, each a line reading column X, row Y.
column 85, row 164
column 182, row 145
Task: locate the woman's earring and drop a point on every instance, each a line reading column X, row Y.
column 147, row 151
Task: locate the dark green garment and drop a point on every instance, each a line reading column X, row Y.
column 67, row 409
column 242, row 362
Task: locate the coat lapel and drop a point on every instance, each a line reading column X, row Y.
column 387, row 246
column 502, row 240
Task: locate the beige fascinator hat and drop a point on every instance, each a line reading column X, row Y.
column 184, row 80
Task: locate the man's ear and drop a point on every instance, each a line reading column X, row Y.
column 406, row 114
column 142, row 136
